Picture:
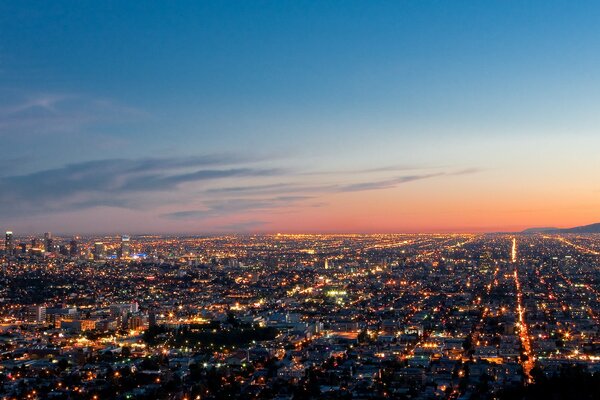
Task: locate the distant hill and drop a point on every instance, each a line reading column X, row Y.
column 540, row 230
column 592, row 228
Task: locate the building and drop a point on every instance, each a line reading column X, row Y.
column 48, row 242
column 117, row 310
column 151, row 319
column 74, row 248
column 99, row 251
column 63, row 250
column 57, row 314
column 78, row 325
column 125, row 250
column 137, row 322
column 9, row 244
column 36, row 314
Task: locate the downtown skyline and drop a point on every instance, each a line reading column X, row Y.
column 298, row 117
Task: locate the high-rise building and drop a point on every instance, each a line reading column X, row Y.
column 125, row 250
column 74, row 248
column 9, row 244
column 36, row 249
column 48, row 242
column 36, row 314
column 152, row 319
column 99, row 251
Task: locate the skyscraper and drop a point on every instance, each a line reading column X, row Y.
column 36, row 314
column 73, row 248
column 124, row 250
column 9, row 244
column 99, row 251
column 48, row 242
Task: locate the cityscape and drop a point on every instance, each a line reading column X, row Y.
column 299, row 200
column 421, row 316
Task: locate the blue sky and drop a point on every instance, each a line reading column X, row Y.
column 310, row 92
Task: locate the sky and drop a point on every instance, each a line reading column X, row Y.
column 298, row 116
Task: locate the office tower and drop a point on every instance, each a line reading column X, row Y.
column 36, row 314
column 63, row 250
column 123, row 308
column 74, row 248
column 122, row 312
column 9, row 242
column 152, row 319
column 99, row 251
column 124, row 251
column 23, row 247
column 48, row 242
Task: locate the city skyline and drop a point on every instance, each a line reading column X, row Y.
column 292, row 117
column 298, row 317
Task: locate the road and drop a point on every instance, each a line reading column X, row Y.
column 528, row 362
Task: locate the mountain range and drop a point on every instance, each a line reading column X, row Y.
column 592, row 228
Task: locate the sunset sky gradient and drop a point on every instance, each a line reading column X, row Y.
column 298, row 116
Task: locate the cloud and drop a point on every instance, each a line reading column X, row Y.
column 177, row 188
column 280, row 188
column 385, row 184
column 216, row 208
column 393, row 182
column 252, row 189
column 226, row 206
column 334, row 187
column 113, row 182
column 466, row 171
column 60, row 113
column 389, row 168
column 273, row 189
column 154, row 182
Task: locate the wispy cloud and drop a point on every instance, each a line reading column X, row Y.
column 60, row 113
column 113, row 182
column 253, row 189
column 285, row 195
column 373, row 170
column 466, row 171
column 46, row 102
column 216, row 208
column 332, row 187
column 385, row 183
column 393, row 182
column 196, row 187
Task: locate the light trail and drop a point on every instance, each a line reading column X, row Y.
column 575, row 245
column 447, row 247
column 513, row 253
column 528, row 363
column 529, row 360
